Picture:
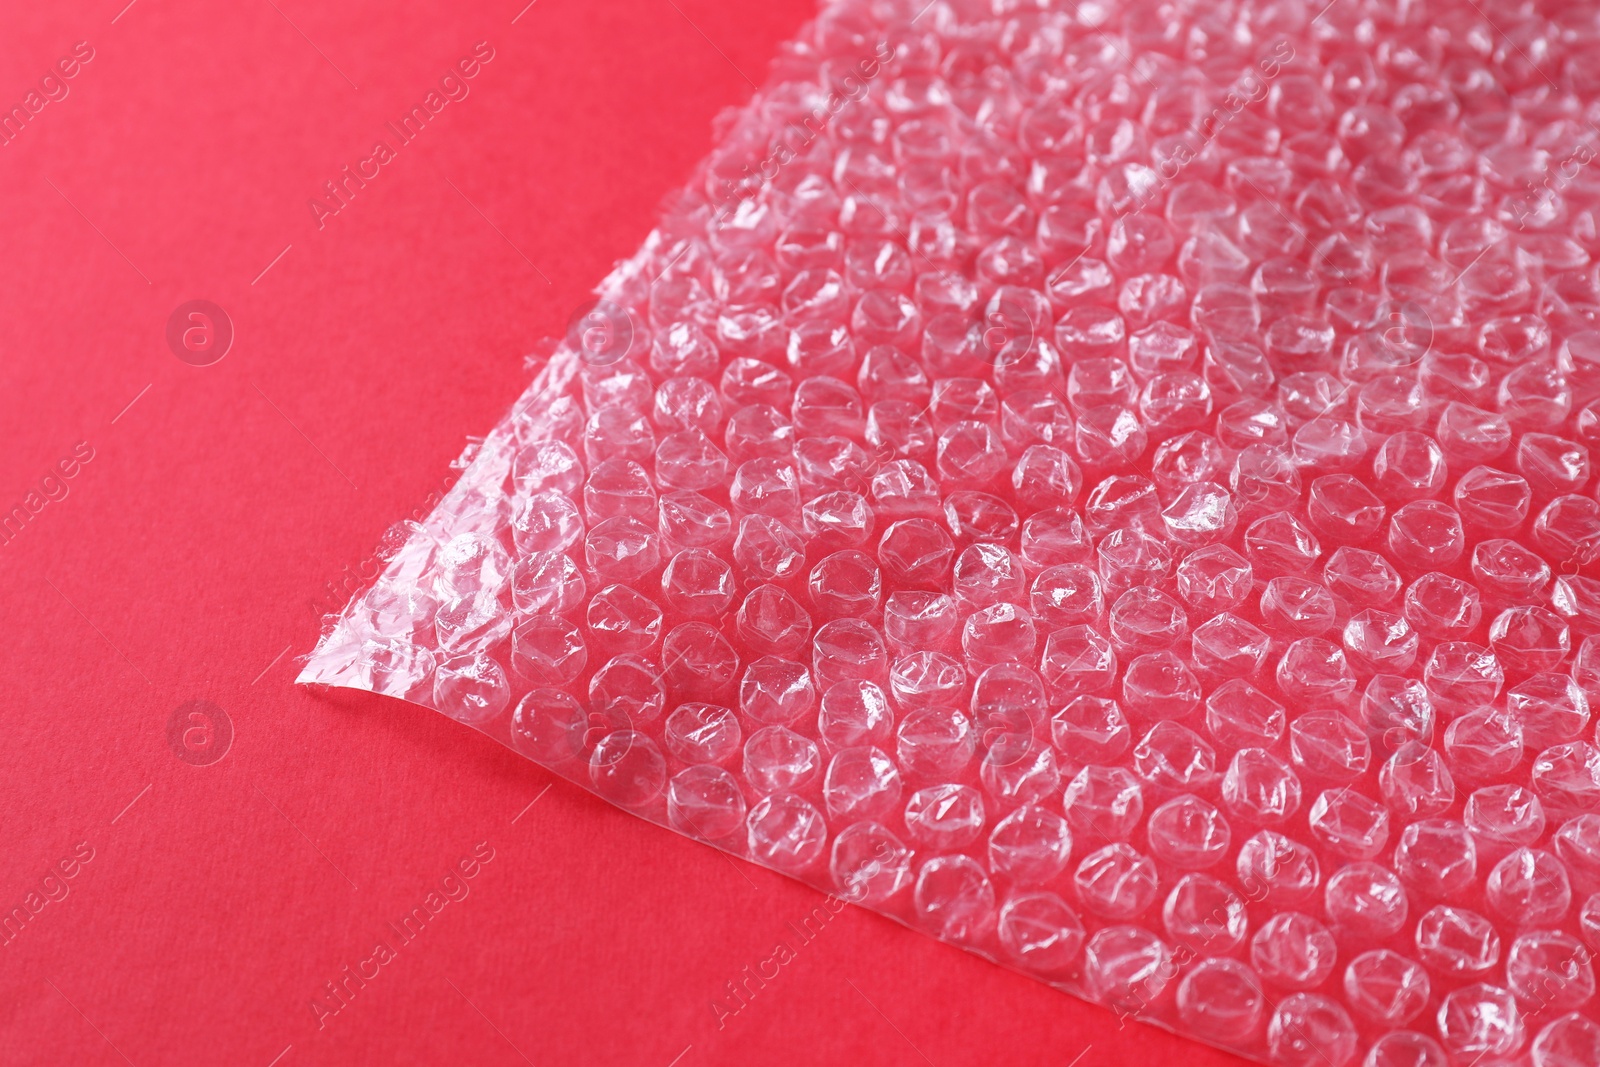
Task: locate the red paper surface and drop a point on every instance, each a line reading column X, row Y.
column 187, row 557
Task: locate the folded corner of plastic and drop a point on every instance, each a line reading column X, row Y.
column 1108, row 486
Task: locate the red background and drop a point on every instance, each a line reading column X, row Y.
column 184, row 560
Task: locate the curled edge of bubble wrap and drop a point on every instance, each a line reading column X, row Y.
column 1177, row 629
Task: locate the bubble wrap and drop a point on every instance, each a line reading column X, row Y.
column 1108, row 486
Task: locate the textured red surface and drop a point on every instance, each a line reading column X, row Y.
column 186, row 555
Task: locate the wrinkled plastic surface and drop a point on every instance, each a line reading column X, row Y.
column 1107, row 486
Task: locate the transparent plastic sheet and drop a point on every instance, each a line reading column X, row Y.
column 1108, row 487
